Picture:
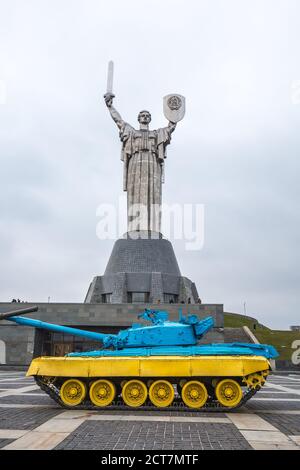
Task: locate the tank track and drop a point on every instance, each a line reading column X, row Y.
column 119, row 405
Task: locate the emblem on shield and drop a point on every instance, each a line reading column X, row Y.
column 174, row 107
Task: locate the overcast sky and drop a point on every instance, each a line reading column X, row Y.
column 236, row 151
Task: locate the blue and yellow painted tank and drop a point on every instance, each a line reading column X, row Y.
column 161, row 364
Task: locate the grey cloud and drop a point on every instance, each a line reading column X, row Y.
column 236, row 151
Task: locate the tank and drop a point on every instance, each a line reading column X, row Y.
column 159, row 365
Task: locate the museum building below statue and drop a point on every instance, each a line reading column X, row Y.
column 142, row 270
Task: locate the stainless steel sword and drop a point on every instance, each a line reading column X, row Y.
column 110, row 77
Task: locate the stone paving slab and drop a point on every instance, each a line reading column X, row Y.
column 37, row 441
column 12, row 433
column 288, row 424
column 153, row 413
column 276, row 399
column 10, row 385
column 20, row 378
column 13, row 418
column 295, row 378
column 114, row 435
column 284, row 384
column 16, row 385
column 266, row 445
column 280, row 412
column 270, row 392
column 260, row 406
column 260, row 433
column 165, row 419
column 289, row 385
column 284, row 388
column 274, row 437
column 296, row 439
column 249, row 422
column 60, row 424
column 28, row 406
column 285, row 396
column 24, row 398
column 5, row 442
column 26, row 388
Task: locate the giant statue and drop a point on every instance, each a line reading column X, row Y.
column 143, row 154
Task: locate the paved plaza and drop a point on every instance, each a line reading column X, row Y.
column 30, row 420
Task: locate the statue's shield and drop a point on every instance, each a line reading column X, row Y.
column 174, row 107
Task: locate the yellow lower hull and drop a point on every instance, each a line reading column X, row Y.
column 154, row 366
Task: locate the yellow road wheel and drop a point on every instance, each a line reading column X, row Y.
column 102, row 392
column 161, row 393
column 194, row 394
column 229, row 392
column 72, row 392
column 134, row 393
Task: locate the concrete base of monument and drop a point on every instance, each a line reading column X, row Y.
column 19, row 344
column 142, row 270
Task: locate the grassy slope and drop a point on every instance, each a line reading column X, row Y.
column 281, row 340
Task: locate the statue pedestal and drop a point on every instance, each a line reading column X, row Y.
column 143, row 270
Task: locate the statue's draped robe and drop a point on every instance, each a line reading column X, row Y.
column 143, row 154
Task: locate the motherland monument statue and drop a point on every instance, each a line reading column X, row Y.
column 143, row 154
column 142, row 267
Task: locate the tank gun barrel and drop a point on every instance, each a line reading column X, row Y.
column 13, row 316
column 20, row 311
column 59, row 328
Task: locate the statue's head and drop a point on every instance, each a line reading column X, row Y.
column 144, row 117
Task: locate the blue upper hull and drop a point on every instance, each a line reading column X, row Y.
column 219, row 349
